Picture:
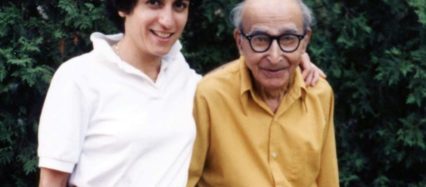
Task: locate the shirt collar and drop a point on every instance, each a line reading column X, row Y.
column 246, row 84
column 298, row 88
column 296, row 91
column 102, row 44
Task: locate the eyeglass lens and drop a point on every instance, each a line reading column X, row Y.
column 262, row 42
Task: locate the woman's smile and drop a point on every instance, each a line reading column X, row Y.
column 162, row 34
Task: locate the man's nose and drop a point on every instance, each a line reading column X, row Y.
column 275, row 53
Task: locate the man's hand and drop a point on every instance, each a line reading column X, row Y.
column 311, row 73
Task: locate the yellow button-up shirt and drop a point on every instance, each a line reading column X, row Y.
column 241, row 143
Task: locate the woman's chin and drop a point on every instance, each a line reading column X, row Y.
column 161, row 51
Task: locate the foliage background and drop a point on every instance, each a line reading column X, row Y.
column 374, row 53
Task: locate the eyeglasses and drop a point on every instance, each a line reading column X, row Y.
column 261, row 42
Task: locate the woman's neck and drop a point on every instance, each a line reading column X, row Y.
column 148, row 64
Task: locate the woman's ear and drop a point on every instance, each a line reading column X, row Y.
column 121, row 14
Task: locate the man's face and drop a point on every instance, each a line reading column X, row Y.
column 272, row 69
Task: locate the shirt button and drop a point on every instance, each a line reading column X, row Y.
column 274, row 155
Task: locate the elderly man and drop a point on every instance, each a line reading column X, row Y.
column 258, row 124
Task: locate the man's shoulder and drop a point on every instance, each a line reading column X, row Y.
column 322, row 89
column 224, row 77
column 224, row 73
column 226, row 69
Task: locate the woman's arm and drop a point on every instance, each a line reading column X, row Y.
column 53, row 178
column 311, row 73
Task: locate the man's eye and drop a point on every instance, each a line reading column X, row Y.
column 181, row 5
column 261, row 38
column 288, row 39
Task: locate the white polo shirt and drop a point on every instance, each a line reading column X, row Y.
column 108, row 124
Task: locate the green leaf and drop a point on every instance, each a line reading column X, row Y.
column 420, row 9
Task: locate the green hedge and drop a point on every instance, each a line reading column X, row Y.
column 374, row 53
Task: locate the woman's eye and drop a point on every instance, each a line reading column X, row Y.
column 181, row 5
column 155, row 3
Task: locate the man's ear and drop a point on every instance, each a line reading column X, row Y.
column 237, row 38
column 305, row 42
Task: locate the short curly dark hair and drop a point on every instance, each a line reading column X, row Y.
column 114, row 6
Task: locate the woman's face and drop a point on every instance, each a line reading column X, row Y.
column 154, row 25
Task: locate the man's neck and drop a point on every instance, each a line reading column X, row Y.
column 272, row 97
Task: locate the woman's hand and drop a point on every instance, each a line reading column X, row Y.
column 311, row 73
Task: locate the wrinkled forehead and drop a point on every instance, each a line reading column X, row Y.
column 275, row 16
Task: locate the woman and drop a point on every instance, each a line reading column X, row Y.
column 121, row 115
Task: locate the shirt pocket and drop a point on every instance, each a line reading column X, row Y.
column 305, row 164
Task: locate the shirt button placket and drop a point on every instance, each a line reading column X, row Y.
column 274, row 154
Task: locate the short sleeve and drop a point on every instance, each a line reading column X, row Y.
column 63, row 121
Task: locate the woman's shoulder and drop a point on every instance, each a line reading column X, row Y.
column 76, row 68
column 77, row 62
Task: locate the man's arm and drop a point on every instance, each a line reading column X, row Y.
column 53, row 178
column 329, row 175
column 201, row 144
column 310, row 71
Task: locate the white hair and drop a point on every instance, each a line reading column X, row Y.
column 237, row 15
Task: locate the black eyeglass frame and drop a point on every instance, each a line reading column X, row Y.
column 273, row 38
